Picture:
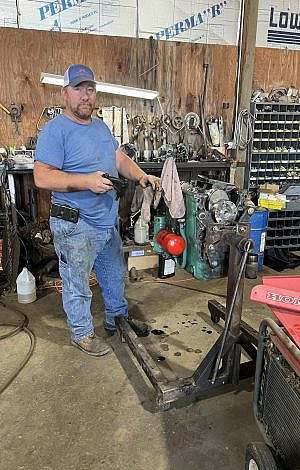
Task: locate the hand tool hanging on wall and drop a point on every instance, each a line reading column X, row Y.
column 192, row 121
column 213, row 130
column 216, row 131
column 164, row 138
column 116, row 120
column 202, row 103
column 178, row 123
column 147, row 151
column 49, row 112
column 4, row 109
column 154, row 140
column 15, row 113
column 221, row 131
column 151, row 134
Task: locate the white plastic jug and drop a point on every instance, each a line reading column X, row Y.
column 26, row 288
column 141, row 231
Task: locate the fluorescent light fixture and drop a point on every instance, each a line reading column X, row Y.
column 51, row 79
column 126, row 91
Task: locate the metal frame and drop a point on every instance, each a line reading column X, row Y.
column 288, row 349
column 222, row 364
column 11, row 242
column 272, row 333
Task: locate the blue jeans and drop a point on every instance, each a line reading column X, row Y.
column 81, row 248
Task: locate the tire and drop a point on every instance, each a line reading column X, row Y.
column 260, row 457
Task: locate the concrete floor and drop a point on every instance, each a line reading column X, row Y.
column 69, row 411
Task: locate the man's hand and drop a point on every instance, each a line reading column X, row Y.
column 98, row 184
column 146, row 180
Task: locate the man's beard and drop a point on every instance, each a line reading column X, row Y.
column 83, row 111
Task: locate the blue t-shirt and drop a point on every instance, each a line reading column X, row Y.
column 81, row 148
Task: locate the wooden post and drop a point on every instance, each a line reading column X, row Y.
column 247, row 56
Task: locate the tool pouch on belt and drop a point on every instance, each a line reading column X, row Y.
column 63, row 212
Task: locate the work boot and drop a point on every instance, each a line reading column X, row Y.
column 92, row 345
column 141, row 329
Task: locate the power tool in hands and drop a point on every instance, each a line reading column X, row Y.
column 119, row 184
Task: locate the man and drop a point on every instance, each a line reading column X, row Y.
column 73, row 153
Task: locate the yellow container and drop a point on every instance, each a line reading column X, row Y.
column 272, row 205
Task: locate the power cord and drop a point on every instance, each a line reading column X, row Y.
column 244, row 130
column 58, row 285
column 173, row 284
column 12, row 233
column 23, row 326
column 193, row 289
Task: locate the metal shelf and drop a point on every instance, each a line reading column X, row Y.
column 271, row 163
column 277, row 122
column 275, row 113
column 282, row 228
column 187, row 165
column 291, row 139
column 205, row 164
column 277, row 130
column 275, row 155
column 188, row 171
column 284, row 237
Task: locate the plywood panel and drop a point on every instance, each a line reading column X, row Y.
column 174, row 69
column 276, row 68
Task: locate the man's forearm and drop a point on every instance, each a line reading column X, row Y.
column 128, row 168
column 58, row 180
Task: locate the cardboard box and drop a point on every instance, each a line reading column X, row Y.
column 275, row 205
column 269, row 197
column 139, row 250
column 141, row 257
column 142, row 262
column 268, row 188
column 272, row 201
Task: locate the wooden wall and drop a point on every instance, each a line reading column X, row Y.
column 177, row 73
column 276, row 68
